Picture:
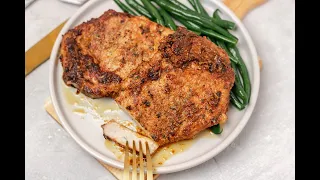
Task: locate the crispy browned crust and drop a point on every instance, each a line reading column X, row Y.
column 97, row 55
column 175, row 84
column 183, row 90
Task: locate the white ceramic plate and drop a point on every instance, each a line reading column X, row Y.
column 86, row 130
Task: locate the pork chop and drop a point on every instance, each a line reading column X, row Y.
column 98, row 55
column 175, row 84
column 183, row 90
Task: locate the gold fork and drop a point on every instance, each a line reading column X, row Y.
column 126, row 171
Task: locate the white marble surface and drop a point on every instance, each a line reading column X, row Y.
column 263, row 151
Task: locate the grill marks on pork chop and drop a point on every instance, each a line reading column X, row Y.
column 175, row 84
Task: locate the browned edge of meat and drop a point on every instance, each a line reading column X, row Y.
column 183, row 90
column 98, row 55
column 175, row 84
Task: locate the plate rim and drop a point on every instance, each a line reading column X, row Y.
column 170, row 168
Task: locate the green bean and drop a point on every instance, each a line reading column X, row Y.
column 242, row 69
column 125, row 8
column 220, row 22
column 231, row 57
column 199, row 8
column 223, row 46
column 208, row 32
column 192, row 3
column 235, row 101
column 213, row 40
column 236, row 73
column 153, row 11
column 216, row 15
column 224, row 23
column 194, row 17
column 179, row 4
column 167, row 19
column 237, row 87
column 216, row 129
column 136, row 6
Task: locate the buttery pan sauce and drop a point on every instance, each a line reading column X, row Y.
column 166, row 152
column 83, row 105
column 99, row 108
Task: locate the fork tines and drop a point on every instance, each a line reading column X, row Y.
column 126, row 172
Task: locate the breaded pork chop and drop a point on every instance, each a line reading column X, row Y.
column 98, row 55
column 182, row 90
column 175, row 84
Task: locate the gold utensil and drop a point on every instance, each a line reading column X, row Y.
column 126, row 171
column 41, row 51
column 117, row 173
